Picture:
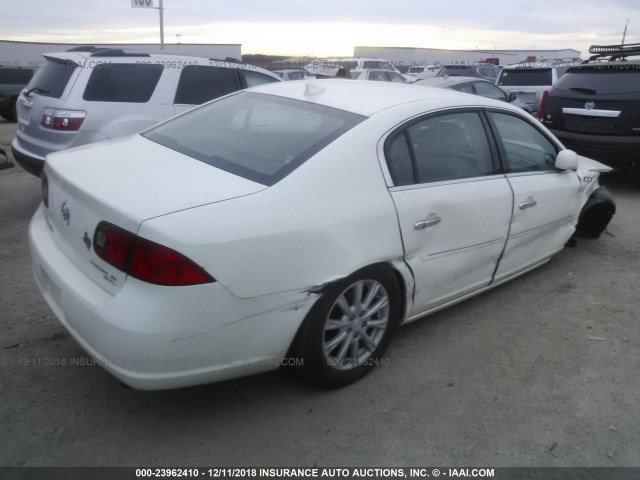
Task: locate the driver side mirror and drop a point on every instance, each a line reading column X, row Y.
column 567, row 160
column 512, row 97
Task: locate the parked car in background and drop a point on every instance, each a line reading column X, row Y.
column 527, row 80
column 429, row 71
column 297, row 223
column 488, row 71
column 90, row 94
column 291, row 74
column 380, row 76
column 330, row 66
column 475, row 86
column 595, row 107
column 12, row 81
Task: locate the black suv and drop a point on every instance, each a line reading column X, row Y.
column 594, row 108
column 12, row 81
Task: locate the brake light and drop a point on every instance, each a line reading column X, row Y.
column 541, row 103
column 44, row 190
column 68, row 120
column 146, row 260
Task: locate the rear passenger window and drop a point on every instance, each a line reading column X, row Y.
column 526, row 148
column 446, row 147
column 396, row 77
column 52, row 79
column 378, row 76
column 464, row 88
column 199, row 84
column 124, row 82
column 489, row 90
column 253, row 79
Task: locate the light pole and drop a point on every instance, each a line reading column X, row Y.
column 161, row 11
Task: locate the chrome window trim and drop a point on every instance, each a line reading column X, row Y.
column 454, row 181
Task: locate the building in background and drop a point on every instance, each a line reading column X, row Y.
column 422, row 57
column 29, row 54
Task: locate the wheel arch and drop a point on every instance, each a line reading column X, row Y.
column 399, row 271
column 393, row 271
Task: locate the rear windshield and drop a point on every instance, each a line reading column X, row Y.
column 52, row 78
column 602, row 80
column 529, row 77
column 122, row 82
column 259, row 137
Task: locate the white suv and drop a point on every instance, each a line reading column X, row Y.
column 90, row 94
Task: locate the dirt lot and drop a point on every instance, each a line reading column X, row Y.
column 540, row 372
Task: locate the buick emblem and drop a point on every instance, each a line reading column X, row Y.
column 589, row 105
column 66, row 214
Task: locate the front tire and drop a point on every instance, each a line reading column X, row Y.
column 350, row 327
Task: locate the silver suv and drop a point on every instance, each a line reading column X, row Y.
column 527, row 80
column 90, row 94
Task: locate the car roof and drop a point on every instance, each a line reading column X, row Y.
column 81, row 57
column 551, row 63
column 368, row 98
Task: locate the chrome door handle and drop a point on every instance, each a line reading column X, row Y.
column 432, row 219
column 528, row 203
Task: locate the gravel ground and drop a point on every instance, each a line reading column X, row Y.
column 542, row 371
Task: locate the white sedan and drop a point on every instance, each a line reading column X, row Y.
column 298, row 223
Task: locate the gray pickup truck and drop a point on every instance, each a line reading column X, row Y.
column 12, row 81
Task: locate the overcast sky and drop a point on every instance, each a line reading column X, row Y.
column 329, row 27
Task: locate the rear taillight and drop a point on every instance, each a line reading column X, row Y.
column 113, row 245
column 67, row 120
column 541, row 103
column 146, row 260
column 45, row 190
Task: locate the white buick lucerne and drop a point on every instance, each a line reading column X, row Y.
column 299, row 220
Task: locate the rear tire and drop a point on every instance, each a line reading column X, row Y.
column 349, row 328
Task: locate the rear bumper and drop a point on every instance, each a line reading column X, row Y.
column 154, row 338
column 32, row 164
column 615, row 151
